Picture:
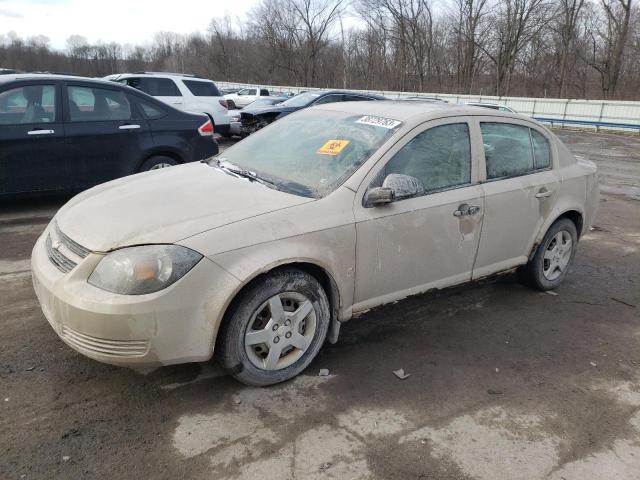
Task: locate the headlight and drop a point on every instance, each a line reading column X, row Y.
column 144, row 269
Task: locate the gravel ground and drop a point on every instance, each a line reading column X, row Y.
column 505, row 382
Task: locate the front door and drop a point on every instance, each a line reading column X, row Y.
column 32, row 154
column 520, row 188
column 430, row 240
column 105, row 134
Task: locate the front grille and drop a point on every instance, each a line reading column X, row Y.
column 70, row 244
column 103, row 346
column 63, row 252
column 63, row 264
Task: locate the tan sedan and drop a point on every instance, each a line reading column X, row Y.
column 261, row 253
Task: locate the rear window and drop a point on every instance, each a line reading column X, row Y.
column 202, row 89
column 150, row 111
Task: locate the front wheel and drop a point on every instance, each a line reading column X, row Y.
column 548, row 267
column 275, row 328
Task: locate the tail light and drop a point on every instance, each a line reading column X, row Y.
column 224, row 103
column 206, row 129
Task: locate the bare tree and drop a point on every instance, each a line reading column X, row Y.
column 572, row 48
column 470, row 37
column 515, row 23
column 608, row 42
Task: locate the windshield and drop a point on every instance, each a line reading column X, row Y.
column 301, row 100
column 261, row 102
column 311, row 153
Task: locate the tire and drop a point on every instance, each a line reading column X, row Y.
column 255, row 344
column 157, row 161
column 547, row 273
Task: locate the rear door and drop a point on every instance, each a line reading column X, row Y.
column 32, row 138
column 106, row 136
column 520, row 189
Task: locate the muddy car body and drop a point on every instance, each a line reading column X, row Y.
column 336, row 210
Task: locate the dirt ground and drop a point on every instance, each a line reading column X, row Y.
column 505, row 382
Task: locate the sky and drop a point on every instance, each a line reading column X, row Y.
column 122, row 21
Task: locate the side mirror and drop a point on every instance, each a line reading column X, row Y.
column 395, row 187
column 378, row 196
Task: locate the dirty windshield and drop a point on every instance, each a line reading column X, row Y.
column 311, row 153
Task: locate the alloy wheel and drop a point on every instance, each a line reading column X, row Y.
column 557, row 255
column 280, row 331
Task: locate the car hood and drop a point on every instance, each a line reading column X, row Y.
column 269, row 109
column 165, row 206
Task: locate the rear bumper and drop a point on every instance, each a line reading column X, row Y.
column 204, row 147
column 222, row 129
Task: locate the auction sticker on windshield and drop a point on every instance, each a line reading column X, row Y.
column 379, row 121
column 333, row 147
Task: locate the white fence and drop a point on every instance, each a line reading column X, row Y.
column 606, row 114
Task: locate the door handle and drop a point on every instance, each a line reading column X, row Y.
column 128, row 127
column 466, row 210
column 473, row 209
column 40, row 132
column 544, row 193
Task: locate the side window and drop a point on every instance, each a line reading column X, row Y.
column 507, row 149
column 328, row 99
column 202, row 88
column 150, row 111
column 541, row 150
column 439, row 157
column 264, row 92
column 97, row 104
column 156, row 87
column 30, row 104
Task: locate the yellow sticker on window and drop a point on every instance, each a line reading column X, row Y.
column 333, row 147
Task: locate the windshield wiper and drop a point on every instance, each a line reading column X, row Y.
column 252, row 176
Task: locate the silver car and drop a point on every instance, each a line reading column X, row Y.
column 260, row 254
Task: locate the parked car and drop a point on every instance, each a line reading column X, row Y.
column 184, row 92
column 64, row 133
column 245, row 96
column 263, row 251
column 493, row 106
column 224, row 91
column 253, row 119
column 234, row 115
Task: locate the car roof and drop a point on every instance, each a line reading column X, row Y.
column 50, row 76
column 348, row 92
column 183, row 76
column 485, row 104
column 415, row 111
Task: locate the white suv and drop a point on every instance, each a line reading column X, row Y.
column 184, row 92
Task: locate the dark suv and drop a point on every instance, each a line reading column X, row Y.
column 63, row 133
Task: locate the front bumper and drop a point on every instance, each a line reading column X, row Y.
column 176, row 325
column 235, row 128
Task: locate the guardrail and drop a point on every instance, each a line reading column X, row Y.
column 599, row 114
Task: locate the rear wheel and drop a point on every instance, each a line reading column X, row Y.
column 156, row 162
column 275, row 329
column 548, row 267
